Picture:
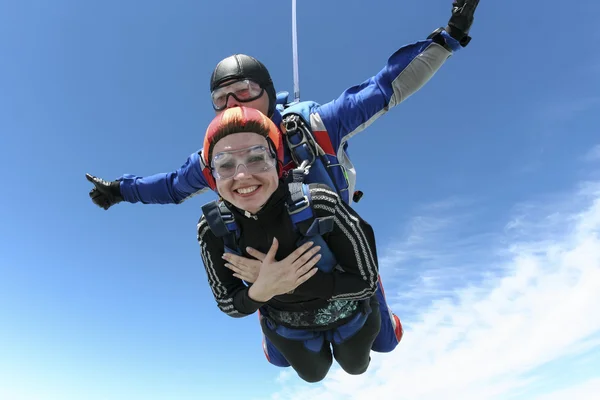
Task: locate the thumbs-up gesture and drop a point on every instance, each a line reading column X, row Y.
column 104, row 194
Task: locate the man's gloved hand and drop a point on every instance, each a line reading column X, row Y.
column 461, row 20
column 105, row 194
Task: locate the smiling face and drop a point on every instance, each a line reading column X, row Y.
column 245, row 190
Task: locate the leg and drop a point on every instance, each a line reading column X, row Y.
column 353, row 355
column 273, row 355
column 311, row 366
column 391, row 329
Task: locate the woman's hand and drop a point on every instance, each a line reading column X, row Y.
column 244, row 268
column 279, row 277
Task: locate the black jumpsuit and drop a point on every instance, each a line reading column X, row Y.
column 325, row 301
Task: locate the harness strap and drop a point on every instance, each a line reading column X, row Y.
column 313, row 340
column 299, row 139
column 222, row 223
column 215, row 217
column 310, row 228
column 298, row 204
column 304, row 147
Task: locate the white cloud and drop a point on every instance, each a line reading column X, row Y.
column 285, row 375
column 583, row 391
column 442, row 247
column 527, row 296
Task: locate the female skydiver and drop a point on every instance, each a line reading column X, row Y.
column 305, row 310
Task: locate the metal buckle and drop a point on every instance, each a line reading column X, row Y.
column 226, row 214
column 299, row 206
column 293, row 121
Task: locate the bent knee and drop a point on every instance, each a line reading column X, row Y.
column 315, row 372
column 314, row 376
column 355, row 368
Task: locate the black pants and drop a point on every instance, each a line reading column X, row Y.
column 353, row 355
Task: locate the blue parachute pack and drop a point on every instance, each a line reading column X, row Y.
column 318, row 151
column 312, row 166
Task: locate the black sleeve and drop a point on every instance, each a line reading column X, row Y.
column 352, row 241
column 230, row 292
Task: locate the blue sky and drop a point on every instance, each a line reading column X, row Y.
column 483, row 189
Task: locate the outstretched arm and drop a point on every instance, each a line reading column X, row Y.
column 164, row 188
column 405, row 72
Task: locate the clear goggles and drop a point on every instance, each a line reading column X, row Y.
column 243, row 91
column 255, row 159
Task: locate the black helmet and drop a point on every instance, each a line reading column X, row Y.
column 239, row 66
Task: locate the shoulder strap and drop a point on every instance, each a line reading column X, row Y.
column 302, row 213
column 299, row 206
column 300, row 209
column 222, row 223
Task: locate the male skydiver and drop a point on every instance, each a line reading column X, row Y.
column 241, row 79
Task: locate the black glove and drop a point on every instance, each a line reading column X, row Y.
column 461, row 20
column 105, row 194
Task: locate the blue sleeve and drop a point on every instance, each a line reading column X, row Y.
column 406, row 71
column 166, row 188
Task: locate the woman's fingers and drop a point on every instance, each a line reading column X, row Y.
column 307, row 256
column 293, row 257
column 255, row 253
column 305, row 277
column 303, row 269
column 306, row 271
column 270, row 257
column 234, row 268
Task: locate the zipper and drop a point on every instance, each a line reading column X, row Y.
column 250, row 215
